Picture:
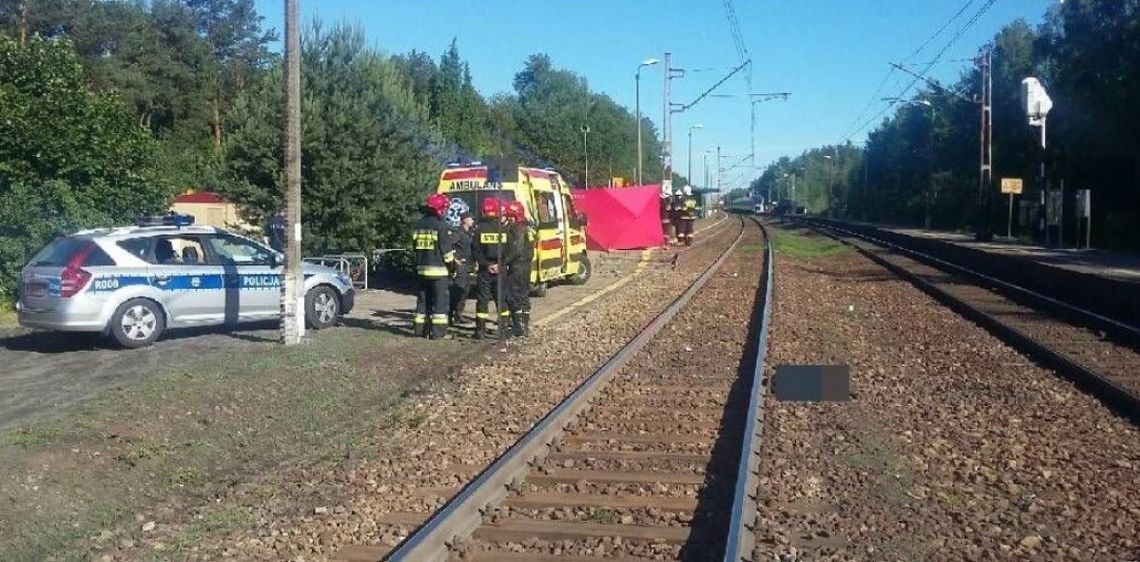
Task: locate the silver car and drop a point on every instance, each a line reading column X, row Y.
column 133, row 283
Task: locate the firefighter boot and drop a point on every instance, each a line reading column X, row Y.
column 520, row 325
column 480, row 329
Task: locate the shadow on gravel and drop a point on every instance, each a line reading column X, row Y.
column 714, row 504
column 43, row 341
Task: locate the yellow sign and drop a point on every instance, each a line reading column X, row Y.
column 1011, row 186
column 617, row 182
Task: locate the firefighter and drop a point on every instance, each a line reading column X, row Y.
column 666, row 214
column 688, row 214
column 518, row 258
column 676, row 205
column 434, row 258
column 489, row 242
column 462, row 241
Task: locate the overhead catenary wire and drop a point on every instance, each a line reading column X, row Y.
column 853, row 128
column 917, row 76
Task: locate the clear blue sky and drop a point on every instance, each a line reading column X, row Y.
column 830, row 54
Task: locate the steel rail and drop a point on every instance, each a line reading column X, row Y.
column 741, row 539
column 463, row 513
column 1088, row 315
column 1123, row 400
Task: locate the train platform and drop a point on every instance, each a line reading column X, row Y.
column 1113, row 265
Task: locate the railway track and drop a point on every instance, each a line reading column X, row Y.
column 642, row 461
column 1097, row 353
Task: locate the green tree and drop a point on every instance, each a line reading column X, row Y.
column 69, row 157
column 369, row 152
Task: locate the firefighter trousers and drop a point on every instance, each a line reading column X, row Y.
column 459, row 287
column 685, row 231
column 486, row 287
column 518, row 297
column 431, row 307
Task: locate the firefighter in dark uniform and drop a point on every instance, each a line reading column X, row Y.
column 489, row 242
column 462, row 241
column 666, row 215
column 678, row 202
column 434, row 259
column 518, row 258
column 688, row 216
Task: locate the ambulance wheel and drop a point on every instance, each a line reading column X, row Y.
column 321, row 308
column 538, row 290
column 584, row 271
column 137, row 323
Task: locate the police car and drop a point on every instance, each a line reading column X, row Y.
column 133, row 283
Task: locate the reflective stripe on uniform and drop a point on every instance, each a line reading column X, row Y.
column 425, row 239
column 438, row 319
column 482, row 315
column 432, row 271
column 419, row 319
column 449, row 257
column 493, row 237
column 504, row 313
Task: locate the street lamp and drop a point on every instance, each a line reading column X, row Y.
column 689, row 174
column 830, row 174
column 585, row 130
column 637, row 102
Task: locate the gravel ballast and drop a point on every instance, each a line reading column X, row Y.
column 953, row 447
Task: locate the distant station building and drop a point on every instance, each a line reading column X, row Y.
column 210, row 209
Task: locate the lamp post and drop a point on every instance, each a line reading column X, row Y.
column 585, row 150
column 689, row 173
column 637, row 102
column 830, row 169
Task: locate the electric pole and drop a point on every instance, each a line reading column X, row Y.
column 23, row 22
column 666, row 130
column 292, row 297
column 985, row 172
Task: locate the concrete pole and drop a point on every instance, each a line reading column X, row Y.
column 292, row 296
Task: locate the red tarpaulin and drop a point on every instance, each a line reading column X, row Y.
column 624, row 218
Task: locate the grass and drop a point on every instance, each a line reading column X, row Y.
column 603, row 516
column 7, row 313
column 171, row 447
column 800, row 245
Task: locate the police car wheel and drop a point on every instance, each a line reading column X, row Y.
column 137, row 323
column 584, row 271
column 322, row 307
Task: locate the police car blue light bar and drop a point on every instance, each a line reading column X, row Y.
column 172, row 219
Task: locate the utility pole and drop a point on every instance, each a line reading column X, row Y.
column 666, row 130
column 23, row 22
column 985, row 169
column 292, row 297
column 706, row 184
column 689, row 172
column 719, row 170
column 667, row 125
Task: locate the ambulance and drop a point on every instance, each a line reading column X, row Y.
column 558, row 232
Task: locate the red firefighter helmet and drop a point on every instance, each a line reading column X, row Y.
column 491, row 207
column 515, row 211
column 438, row 203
